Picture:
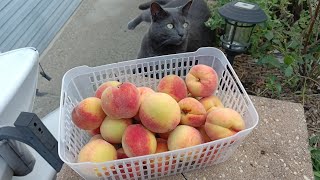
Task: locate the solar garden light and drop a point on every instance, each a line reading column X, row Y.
column 240, row 19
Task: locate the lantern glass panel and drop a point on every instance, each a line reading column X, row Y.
column 237, row 35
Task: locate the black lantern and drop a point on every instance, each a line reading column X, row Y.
column 240, row 19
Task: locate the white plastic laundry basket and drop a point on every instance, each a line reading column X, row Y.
column 81, row 82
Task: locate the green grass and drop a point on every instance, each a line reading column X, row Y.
column 314, row 147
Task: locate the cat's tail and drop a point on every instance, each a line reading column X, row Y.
column 134, row 22
column 145, row 6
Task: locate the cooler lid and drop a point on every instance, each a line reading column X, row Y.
column 15, row 66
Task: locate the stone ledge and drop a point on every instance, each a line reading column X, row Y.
column 276, row 149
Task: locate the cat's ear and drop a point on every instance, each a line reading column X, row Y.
column 185, row 8
column 157, row 12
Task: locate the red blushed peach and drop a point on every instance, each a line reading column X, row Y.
column 184, row 136
column 223, row 122
column 174, row 86
column 104, row 86
column 121, row 102
column 121, row 154
column 138, row 141
column 94, row 132
column 211, row 102
column 164, row 135
column 202, row 80
column 88, row 114
column 203, row 133
column 162, row 145
column 159, row 112
column 205, row 157
column 97, row 150
column 192, row 112
column 112, row 129
column 130, row 170
column 144, row 91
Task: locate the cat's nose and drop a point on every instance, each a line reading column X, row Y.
column 180, row 34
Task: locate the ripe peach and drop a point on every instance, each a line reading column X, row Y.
column 223, row 122
column 174, row 86
column 192, row 112
column 144, row 91
column 203, row 133
column 94, row 131
column 202, row 80
column 162, row 145
column 135, row 169
column 122, row 101
column 121, row 154
column 97, row 150
column 164, row 135
column 211, row 102
column 104, row 86
column 138, row 141
column 88, row 114
column 184, row 136
column 97, row 136
column 159, row 112
column 112, row 129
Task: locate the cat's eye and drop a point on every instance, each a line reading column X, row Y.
column 185, row 25
column 170, row 26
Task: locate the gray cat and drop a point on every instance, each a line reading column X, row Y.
column 177, row 27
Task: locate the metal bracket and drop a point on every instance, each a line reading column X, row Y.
column 30, row 130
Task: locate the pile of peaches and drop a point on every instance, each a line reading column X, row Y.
column 129, row 121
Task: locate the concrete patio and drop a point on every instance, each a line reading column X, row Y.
column 96, row 34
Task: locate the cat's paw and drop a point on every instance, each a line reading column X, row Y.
column 131, row 25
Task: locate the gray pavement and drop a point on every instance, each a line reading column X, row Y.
column 95, row 35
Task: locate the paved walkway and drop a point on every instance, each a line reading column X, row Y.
column 97, row 35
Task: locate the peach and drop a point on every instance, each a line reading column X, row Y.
column 97, row 150
column 162, row 145
column 223, row 122
column 164, row 135
column 208, row 156
column 138, row 141
column 112, row 129
column 202, row 80
column 159, row 112
column 88, row 114
column 122, row 101
column 211, row 102
column 104, row 86
column 144, row 91
column 97, row 136
column 94, row 131
column 184, row 136
column 174, row 86
column 192, row 112
column 132, row 171
column 121, row 154
column 203, row 133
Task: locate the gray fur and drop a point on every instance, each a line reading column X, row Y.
column 159, row 40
